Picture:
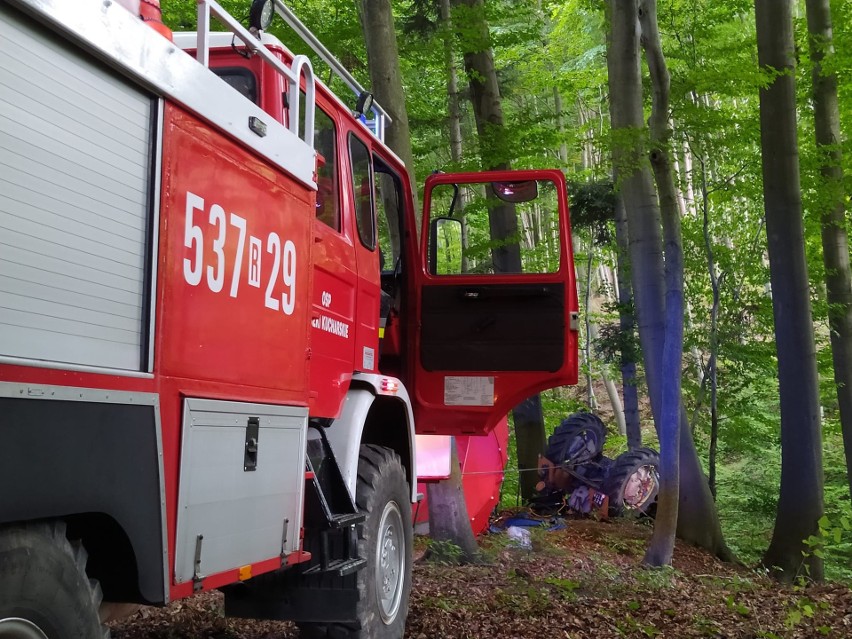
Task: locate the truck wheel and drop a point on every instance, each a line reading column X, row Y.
column 579, row 438
column 384, row 583
column 44, row 590
column 633, row 481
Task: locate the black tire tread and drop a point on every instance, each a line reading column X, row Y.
column 570, row 427
column 624, row 466
column 54, row 533
column 374, row 461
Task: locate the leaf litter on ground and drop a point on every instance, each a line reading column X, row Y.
column 586, row 581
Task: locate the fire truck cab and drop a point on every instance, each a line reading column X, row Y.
column 220, row 331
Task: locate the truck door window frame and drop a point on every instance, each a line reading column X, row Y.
column 328, row 175
column 361, row 164
column 383, row 175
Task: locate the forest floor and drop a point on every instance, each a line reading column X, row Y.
column 585, row 581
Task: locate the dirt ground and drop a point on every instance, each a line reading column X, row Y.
column 585, row 581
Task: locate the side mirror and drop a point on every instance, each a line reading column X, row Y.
column 445, row 246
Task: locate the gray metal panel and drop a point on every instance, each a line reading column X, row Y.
column 240, row 514
column 135, row 50
column 64, row 440
column 75, row 165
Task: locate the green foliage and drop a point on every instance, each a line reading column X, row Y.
column 593, row 208
column 656, row 578
column 444, row 552
column 740, row 609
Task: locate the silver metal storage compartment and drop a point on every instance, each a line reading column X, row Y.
column 75, row 183
column 238, row 506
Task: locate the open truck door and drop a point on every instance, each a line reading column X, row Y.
column 497, row 299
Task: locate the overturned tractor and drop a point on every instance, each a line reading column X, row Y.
column 575, row 475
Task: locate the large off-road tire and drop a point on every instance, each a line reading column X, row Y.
column 384, row 584
column 633, row 481
column 578, row 439
column 44, row 590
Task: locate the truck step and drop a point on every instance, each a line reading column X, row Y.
column 346, row 519
column 338, row 567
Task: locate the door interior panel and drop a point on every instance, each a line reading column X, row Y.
column 502, row 327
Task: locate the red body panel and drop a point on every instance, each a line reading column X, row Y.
column 261, row 270
column 333, row 299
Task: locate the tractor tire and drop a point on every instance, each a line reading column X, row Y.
column 384, row 583
column 578, row 439
column 44, row 590
column 633, row 482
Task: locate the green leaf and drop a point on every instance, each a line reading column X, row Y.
column 793, row 617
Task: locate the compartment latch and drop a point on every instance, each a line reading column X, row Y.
column 252, row 434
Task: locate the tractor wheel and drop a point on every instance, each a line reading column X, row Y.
column 44, row 590
column 384, row 583
column 633, row 481
column 578, row 439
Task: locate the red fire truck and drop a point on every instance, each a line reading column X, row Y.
column 220, row 330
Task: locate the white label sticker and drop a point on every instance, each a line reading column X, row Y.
column 369, row 358
column 468, row 391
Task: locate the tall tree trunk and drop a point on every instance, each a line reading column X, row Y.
column 835, row 242
column 453, row 111
column 611, row 390
column 715, row 282
column 560, row 122
column 454, row 117
column 591, row 400
column 662, row 542
column 448, row 517
column 801, row 498
column 530, row 442
column 627, row 324
column 697, row 521
column 383, row 60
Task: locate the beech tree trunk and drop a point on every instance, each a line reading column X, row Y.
column 454, row 117
column 715, row 283
column 627, row 324
column 800, row 503
column 697, row 520
column 530, row 442
column 448, row 517
column 453, row 111
column 835, row 241
column 660, row 550
column 383, row 60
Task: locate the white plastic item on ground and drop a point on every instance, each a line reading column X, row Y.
column 519, row 537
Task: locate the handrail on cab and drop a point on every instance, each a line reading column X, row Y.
column 301, row 65
column 382, row 119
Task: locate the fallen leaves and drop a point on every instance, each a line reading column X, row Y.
column 582, row 582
